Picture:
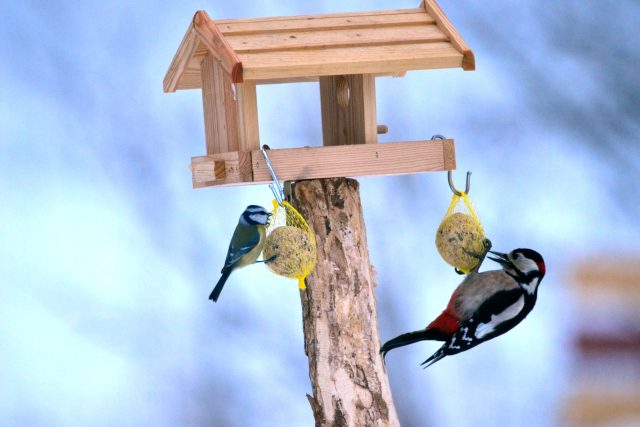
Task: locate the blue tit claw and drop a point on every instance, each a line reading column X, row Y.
column 269, row 260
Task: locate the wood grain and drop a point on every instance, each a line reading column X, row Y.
column 322, row 39
column 247, row 116
column 327, row 22
column 230, row 110
column 179, row 65
column 374, row 59
column 220, row 114
column 300, row 48
column 217, row 46
column 206, row 170
column 355, row 122
column 468, row 62
column 294, row 164
column 341, row 339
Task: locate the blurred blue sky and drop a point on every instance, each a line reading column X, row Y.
column 107, row 255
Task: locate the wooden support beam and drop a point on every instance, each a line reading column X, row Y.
column 348, row 105
column 217, row 45
column 294, row 164
column 247, row 114
column 221, row 169
column 468, row 59
column 230, row 110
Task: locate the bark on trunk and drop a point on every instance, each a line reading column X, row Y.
column 350, row 385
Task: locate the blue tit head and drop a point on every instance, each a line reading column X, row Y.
column 255, row 215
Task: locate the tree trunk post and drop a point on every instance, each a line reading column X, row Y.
column 348, row 377
column 350, row 385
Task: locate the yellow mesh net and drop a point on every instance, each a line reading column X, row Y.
column 290, row 245
column 460, row 238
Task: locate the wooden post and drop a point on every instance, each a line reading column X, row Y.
column 350, row 385
column 230, row 110
column 348, row 105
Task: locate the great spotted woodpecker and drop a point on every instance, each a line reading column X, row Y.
column 483, row 306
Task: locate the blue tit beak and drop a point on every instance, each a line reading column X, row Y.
column 500, row 258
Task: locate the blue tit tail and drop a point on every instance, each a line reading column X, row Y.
column 410, row 338
column 223, row 279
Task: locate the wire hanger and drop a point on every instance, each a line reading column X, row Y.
column 276, row 187
column 450, row 176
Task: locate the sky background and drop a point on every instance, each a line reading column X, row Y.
column 107, row 255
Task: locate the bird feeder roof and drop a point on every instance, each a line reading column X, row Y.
column 302, row 48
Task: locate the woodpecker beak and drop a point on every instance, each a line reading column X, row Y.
column 500, row 258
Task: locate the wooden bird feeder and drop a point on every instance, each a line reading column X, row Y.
column 345, row 52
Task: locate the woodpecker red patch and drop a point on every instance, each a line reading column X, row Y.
column 446, row 322
column 541, row 267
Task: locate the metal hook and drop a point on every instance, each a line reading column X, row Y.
column 453, row 188
column 276, row 187
column 450, row 177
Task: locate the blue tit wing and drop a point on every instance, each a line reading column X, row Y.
column 244, row 239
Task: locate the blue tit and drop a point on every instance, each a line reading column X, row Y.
column 246, row 244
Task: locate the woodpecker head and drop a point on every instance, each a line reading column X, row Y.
column 255, row 215
column 526, row 265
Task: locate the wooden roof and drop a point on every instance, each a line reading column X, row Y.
column 299, row 48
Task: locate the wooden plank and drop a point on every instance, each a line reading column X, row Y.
column 288, row 40
column 354, row 123
column 351, row 160
column 396, row 158
column 206, row 171
column 449, row 156
column 324, row 21
column 299, row 48
column 468, row 62
column 230, row 110
column 220, row 114
column 360, row 60
column 203, row 172
column 180, row 61
column 247, row 115
column 217, row 45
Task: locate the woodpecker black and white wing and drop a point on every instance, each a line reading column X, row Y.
column 498, row 314
column 477, row 288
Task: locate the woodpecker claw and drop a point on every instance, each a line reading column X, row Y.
column 480, row 257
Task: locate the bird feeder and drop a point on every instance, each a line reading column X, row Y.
column 345, row 52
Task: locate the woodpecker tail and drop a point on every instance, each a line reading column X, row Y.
column 412, row 337
column 223, row 279
column 434, row 358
